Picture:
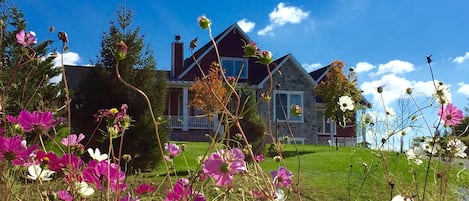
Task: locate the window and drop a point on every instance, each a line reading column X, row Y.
column 324, row 125
column 233, row 66
column 282, row 104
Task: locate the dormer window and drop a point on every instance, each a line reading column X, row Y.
column 234, row 65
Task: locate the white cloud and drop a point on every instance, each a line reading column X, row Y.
column 265, row 30
column 461, row 59
column 395, row 67
column 463, row 88
column 363, row 67
column 245, row 25
column 393, row 88
column 282, row 15
column 70, row 58
column 311, row 67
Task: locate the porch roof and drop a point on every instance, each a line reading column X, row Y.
column 180, row 83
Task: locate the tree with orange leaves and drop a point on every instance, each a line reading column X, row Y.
column 210, row 93
column 335, row 86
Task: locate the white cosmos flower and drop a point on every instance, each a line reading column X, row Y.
column 457, row 148
column 442, row 94
column 279, row 195
column 36, row 172
column 416, row 154
column 431, row 146
column 96, row 155
column 84, row 190
column 345, row 103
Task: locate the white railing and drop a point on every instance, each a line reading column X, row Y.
column 195, row 122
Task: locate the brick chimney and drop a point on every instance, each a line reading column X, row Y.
column 177, row 56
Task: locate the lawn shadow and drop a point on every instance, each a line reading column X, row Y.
column 287, row 154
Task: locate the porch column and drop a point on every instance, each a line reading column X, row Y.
column 185, row 109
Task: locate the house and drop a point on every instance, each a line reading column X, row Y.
column 292, row 86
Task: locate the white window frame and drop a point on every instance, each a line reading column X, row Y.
column 325, row 123
column 245, row 73
column 288, row 105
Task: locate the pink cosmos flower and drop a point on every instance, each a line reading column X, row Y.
column 64, row 195
column 39, row 121
column 282, row 177
column 260, row 158
column 450, row 114
column 97, row 172
column 71, row 166
column 182, row 190
column 173, row 151
column 14, row 150
column 12, row 119
column 72, row 140
column 26, row 39
column 50, row 159
column 222, row 165
column 145, row 188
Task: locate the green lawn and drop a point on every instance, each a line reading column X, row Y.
column 345, row 174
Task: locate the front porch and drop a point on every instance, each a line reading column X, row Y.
column 180, row 114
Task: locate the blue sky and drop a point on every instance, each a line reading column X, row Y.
column 385, row 41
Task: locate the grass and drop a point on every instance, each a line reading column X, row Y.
column 328, row 174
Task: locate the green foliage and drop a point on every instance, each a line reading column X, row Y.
column 100, row 89
column 26, row 72
column 336, row 85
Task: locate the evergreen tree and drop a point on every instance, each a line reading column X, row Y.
column 26, row 71
column 100, row 89
column 250, row 120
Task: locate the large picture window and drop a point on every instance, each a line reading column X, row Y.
column 283, row 102
column 234, row 65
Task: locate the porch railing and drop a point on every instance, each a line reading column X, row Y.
column 195, row 122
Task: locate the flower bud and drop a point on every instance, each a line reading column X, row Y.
column 408, row 91
column 204, row 22
column 51, row 29
column 62, row 36
column 121, row 52
column 127, row 158
column 295, row 110
column 380, row 89
column 265, row 57
column 250, row 49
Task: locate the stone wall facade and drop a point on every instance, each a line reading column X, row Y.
column 290, row 77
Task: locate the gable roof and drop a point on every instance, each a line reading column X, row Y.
column 319, row 73
column 279, row 63
column 189, row 62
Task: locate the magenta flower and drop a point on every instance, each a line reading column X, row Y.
column 222, row 165
column 70, row 165
column 26, row 39
column 182, row 190
column 97, row 172
column 260, row 158
column 50, row 159
column 39, row 121
column 450, row 114
column 72, row 140
column 145, row 188
column 12, row 119
column 64, row 195
column 282, row 177
column 14, row 150
column 173, row 150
